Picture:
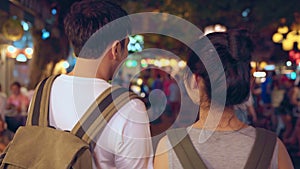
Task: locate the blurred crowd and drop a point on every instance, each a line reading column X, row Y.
column 13, row 112
column 277, row 105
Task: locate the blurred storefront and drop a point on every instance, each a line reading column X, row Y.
column 20, row 21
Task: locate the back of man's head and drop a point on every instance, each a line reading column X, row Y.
column 87, row 17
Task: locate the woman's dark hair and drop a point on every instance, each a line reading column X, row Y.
column 234, row 50
column 16, row 84
column 87, row 17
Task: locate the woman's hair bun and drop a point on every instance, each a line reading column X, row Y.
column 234, row 49
column 240, row 44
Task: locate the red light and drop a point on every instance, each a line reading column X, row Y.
column 294, row 55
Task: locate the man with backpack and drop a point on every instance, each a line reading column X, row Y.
column 125, row 142
column 100, row 43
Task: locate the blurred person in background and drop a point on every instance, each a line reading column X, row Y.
column 286, row 107
column 3, row 98
column 5, row 135
column 174, row 97
column 17, row 102
column 17, row 106
column 276, row 97
column 294, row 139
column 157, row 83
column 266, row 89
column 166, row 84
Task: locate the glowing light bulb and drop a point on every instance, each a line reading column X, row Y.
column 259, row 74
column 11, row 49
column 287, row 44
column 65, row 64
column 139, row 81
column 277, row 37
column 29, row 51
column 288, row 63
column 283, row 30
column 181, row 64
column 21, row 58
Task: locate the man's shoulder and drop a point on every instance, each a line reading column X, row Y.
column 136, row 103
column 91, row 83
column 135, row 110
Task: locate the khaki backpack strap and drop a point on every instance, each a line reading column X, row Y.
column 35, row 103
column 262, row 151
column 38, row 113
column 92, row 123
column 184, row 149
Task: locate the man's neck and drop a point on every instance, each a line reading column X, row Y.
column 88, row 68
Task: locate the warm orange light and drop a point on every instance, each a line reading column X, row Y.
column 253, row 64
column 292, row 36
column 28, row 51
column 262, row 65
column 139, row 81
column 181, row 64
column 165, row 62
column 277, row 37
column 11, row 49
column 29, row 56
column 287, row 44
column 283, row 30
column 173, row 62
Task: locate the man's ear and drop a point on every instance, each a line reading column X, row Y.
column 116, row 50
column 199, row 81
column 195, row 81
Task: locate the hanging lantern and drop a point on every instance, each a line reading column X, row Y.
column 12, row 29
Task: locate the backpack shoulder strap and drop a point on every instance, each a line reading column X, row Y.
column 38, row 112
column 92, row 123
column 184, row 149
column 262, row 151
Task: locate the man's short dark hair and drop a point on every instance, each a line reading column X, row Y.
column 86, row 18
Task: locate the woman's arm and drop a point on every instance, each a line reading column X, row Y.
column 161, row 159
column 294, row 96
column 284, row 160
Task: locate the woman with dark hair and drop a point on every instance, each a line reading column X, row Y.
column 16, row 106
column 17, row 100
column 219, row 137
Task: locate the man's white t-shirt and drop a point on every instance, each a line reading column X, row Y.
column 125, row 141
